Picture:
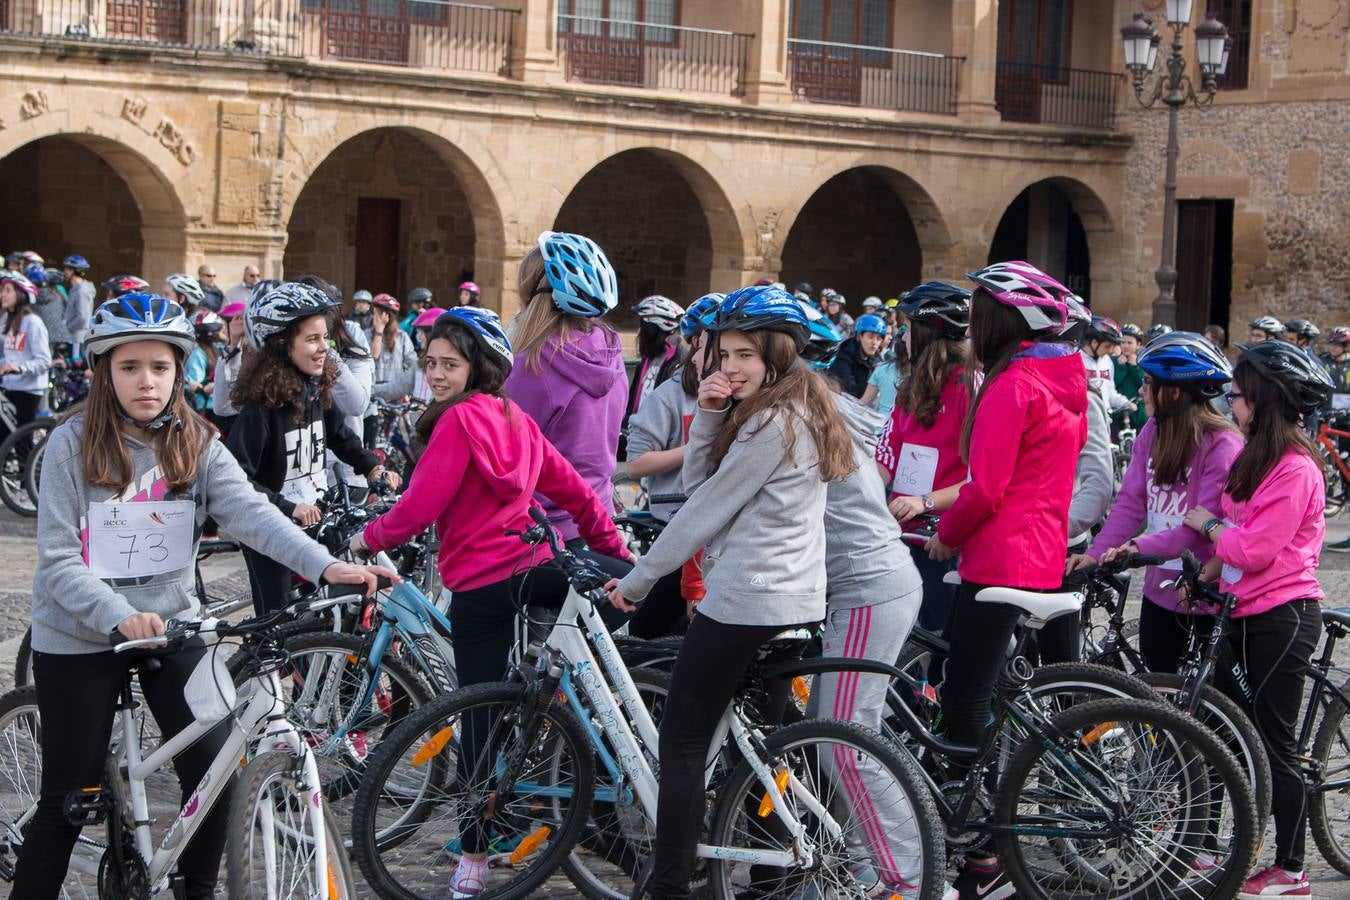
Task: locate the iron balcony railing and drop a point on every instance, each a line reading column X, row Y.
column 654, row 56
column 875, row 77
column 1056, row 95
column 434, row 34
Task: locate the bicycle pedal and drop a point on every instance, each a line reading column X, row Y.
column 87, row 806
column 6, row 865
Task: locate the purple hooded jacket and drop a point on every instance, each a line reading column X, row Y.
column 578, row 399
column 1159, row 509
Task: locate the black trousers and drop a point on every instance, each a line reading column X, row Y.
column 77, row 699
column 25, row 409
column 978, row 633
column 663, row 612
column 269, row 580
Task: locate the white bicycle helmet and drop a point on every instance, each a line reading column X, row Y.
column 271, row 312
column 662, row 312
column 139, row 317
column 187, row 287
column 1039, row 297
column 580, row 277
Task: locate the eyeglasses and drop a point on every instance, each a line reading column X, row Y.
column 1230, row 396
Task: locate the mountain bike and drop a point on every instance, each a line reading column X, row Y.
column 15, row 452
column 1335, row 467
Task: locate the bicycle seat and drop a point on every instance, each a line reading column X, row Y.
column 1041, row 608
column 1340, row 615
column 952, row 578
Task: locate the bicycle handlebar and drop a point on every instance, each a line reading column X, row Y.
column 1116, row 566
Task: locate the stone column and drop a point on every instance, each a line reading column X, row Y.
column 534, row 43
column 975, row 36
column 766, row 79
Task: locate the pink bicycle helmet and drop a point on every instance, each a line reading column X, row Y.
column 428, row 317
column 1041, row 300
column 471, row 288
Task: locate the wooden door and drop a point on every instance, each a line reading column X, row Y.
column 1195, row 262
column 367, row 30
column 377, row 245
column 826, row 74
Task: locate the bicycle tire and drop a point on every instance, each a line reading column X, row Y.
column 23, row 660
column 32, row 470
column 263, row 769
column 368, row 841
column 1331, row 734
column 1335, row 484
column 1231, row 724
column 1097, row 727
column 13, row 489
column 742, row 784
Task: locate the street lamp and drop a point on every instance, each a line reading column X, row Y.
column 1175, row 88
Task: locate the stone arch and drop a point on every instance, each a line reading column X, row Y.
column 868, row 228
column 688, row 239
column 1088, row 214
column 150, row 240
column 475, row 188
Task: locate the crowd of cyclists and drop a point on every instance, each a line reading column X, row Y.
column 791, row 453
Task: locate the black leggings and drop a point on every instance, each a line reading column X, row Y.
column 979, row 634
column 26, row 407
column 663, row 612
column 708, row 671
column 77, row 700
column 269, row 580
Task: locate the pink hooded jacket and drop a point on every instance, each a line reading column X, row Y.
column 1011, row 520
column 476, row 481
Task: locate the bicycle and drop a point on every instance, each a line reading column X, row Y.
column 1335, row 468
column 532, row 788
column 394, row 434
column 281, row 831
column 15, row 451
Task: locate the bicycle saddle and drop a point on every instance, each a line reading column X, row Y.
column 1040, row 608
column 1340, row 615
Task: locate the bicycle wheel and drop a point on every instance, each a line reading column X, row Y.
column 1118, row 801
column 23, row 660
column 1221, row 715
column 14, row 454
column 20, row 781
column 32, row 470
column 867, row 813
column 272, row 836
column 415, row 808
column 1329, row 817
column 1335, row 483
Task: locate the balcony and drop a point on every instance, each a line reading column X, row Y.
column 656, row 57
column 430, row 34
column 874, row 77
column 1056, row 95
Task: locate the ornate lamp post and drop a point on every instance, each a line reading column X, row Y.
column 1175, row 88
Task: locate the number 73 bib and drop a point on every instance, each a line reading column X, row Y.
column 131, row 540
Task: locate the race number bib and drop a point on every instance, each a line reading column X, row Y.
column 915, row 470
column 130, row 540
column 1158, row 522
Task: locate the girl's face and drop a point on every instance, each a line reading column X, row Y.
column 1129, row 346
column 447, row 371
column 144, row 377
column 234, row 329
column 1146, row 394
column 742, row 364
column 871, row 343
column 1243, row 411
column 697, row 345
column 465, row 298
column 9, row 296
column 309, row 347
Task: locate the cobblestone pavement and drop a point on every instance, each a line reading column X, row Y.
column 225, row 575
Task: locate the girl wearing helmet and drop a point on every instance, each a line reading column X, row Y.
column 859, row 355
column 422, row 326
column 392, row 349
column 185, row 291
column 1129, row 377
column 50, row 306
column 832, row 304
column 658, row 347
column 468, row 294
column 1181, row 460
column 765, row 441
column 657, row 434
column 919, row 452
column 1266, row 535
column 287, row 420
column 1265, row 328
column 226, row 371
column 1021, row 440
column 1101, row 340
column 134, row 448
column 568, row 373
column 27, row 351
column 201, row 362
column 485, row 461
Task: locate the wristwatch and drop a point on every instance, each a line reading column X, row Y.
column 927, row 502
column 1209, row 526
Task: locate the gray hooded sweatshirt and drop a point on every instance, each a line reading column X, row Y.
column 865, row 560
column 660, row 424
column 73, row 610
column 760, row 519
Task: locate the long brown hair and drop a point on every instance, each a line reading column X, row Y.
column 1183, row 419
column 269, row 377
column 23, row 308
column 790, row 390
column 487, row 374
column 106, row 460
column 996, row 331
column 1274, row 430
column 537, row 322
column 935, row 359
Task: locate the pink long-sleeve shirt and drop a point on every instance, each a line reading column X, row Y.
column 1270, row 552
column 476, row 481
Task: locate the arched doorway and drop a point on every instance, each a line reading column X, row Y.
column 662, row 221
column 1050, row 224
column 63, row 196
column 385, row 212
column 859, row 234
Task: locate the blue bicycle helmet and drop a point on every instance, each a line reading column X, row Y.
column 1184, row 357
column 580, row 277
column 485, row 328
column 871, row 323
column 759, row 308
column 139, row 317
column 75, row 261
column 700, row 314
column 36, row 274
column 823, row 344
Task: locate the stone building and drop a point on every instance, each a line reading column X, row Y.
column 859, row 144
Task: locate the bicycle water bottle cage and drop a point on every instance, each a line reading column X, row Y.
column 87, row 806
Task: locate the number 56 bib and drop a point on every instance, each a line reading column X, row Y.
column 129, row 540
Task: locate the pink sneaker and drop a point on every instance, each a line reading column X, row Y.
column 1275, row 882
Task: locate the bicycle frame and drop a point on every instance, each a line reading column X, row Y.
column 1324, row 437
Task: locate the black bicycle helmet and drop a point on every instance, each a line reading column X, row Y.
column 1102, row 328
column 1303, row 328
column 1156, row 331
column 940, row 306
column 1299, row 376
